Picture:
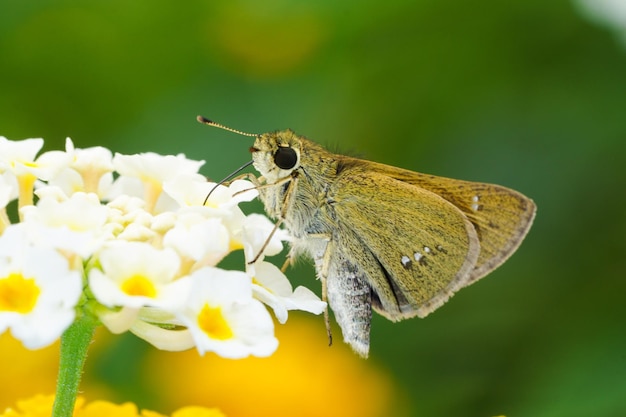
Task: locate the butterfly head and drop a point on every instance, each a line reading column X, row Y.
column 277, row 154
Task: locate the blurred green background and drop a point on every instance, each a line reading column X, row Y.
column 530, row 94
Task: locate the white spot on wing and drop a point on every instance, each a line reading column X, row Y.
column 406, row 261
column 475, row 206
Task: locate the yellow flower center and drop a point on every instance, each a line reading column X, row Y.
column 234, row 245
column 212, row 322
column 139, row 285
column 18, row 294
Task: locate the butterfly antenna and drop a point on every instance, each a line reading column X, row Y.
column 208, row 122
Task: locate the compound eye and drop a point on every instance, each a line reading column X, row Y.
column 285, row 158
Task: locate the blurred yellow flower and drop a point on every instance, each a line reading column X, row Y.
column 41, row 406
column 304, row 377
column 25, row 372
column 256, row 43
column 28, row 372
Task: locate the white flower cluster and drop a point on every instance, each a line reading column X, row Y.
column 128, row 239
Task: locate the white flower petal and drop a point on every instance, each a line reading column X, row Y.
column 306, row 300
column 188, row 190
column 119, row 321
column 239, row 325
column 255, row 232
column 18, row 156
column 203, row 240
column 135, row 275
column 164, row 339
column 150, row 166
column 273, row 288
column 47, row 285
column 49, row 164
column 72, row 224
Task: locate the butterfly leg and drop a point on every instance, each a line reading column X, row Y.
column 281, row 216
column 267, row 241
column 286, row 264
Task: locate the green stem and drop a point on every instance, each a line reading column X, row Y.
column 74, row 344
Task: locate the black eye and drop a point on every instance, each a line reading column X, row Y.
column 285, row 158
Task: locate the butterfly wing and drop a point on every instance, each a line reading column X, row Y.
column 500, row 216
column 414, row 248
